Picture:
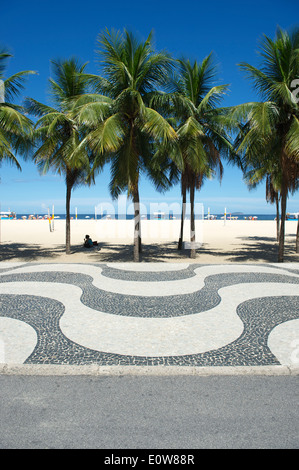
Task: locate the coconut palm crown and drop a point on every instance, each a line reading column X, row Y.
column 57, row 134
column 124, row 130
column 15, row 127
column 194, row 100
column 269, row 133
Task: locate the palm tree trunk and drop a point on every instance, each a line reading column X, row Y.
column 277, row 217
column 68, row 219
column 180, row 244
column 137, row 231
column 282, row 224
column 297, row 237
column 192, row 222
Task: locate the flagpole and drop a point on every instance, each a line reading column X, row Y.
column 53, row 218
column 49, row 218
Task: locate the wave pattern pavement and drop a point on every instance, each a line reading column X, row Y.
column 149, row 314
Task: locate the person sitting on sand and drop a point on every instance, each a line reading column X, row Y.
column 88, row 243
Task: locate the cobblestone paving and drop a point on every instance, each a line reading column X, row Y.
column 154, row 314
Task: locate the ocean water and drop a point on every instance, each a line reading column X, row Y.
column 151, row 217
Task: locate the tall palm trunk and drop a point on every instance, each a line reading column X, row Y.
column 282, row 224
column 68, row 219
column 277, row 216
column 283, row 197
column 192, row 221
column 180, row 244
column 137, row 227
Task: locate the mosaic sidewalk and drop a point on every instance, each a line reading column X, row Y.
column 149, row 314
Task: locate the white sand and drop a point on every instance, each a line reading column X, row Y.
column 218, row 242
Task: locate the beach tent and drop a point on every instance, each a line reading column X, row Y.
column 159, row 215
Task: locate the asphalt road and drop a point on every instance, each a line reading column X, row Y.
column 86, row 412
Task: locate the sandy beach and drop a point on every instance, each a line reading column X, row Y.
column 243, row 241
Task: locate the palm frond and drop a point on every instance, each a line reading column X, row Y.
column 212, row 98
column 158, row 127
column 36, row 108
column 108, row 136
column 15, row 84
column 292, row 140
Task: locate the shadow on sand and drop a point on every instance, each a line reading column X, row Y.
column 29, row 253
column 249, row 249
column 255, row 249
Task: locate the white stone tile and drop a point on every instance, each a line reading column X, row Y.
column 17, row 340
column 150, row 289
column 284, row 342
column 188, row 334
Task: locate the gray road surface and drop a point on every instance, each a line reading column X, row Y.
column 149, row 412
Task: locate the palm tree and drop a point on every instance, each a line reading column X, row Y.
column 272, row 127
column 257, row 171
column 202, row 138
column 15, row 127
column 57, row 134
column 123, row 128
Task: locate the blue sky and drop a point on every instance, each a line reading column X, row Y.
column 37, row 31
